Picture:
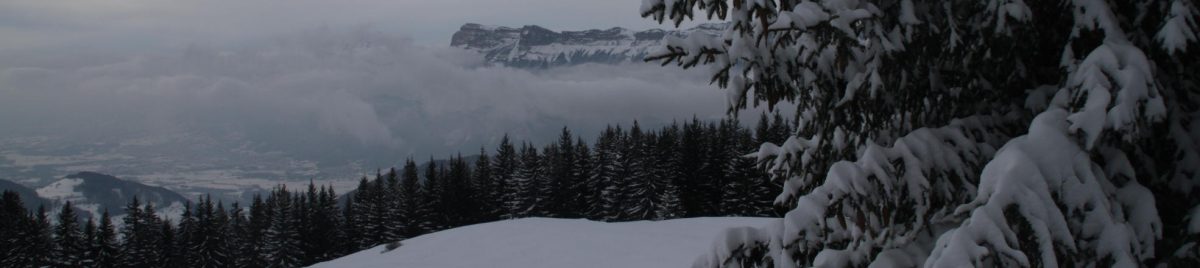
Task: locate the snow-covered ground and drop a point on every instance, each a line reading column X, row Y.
column 543, row 242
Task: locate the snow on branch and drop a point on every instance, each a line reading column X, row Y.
column 887, row 199
column 1042, row 194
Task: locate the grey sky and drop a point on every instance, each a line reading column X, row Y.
column 292, row 79
column 27, row 24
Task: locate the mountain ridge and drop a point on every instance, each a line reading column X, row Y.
column 95, row 192
column 533, row 46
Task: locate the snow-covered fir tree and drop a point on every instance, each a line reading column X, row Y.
column 584, row 188
column 504, row 166
column 606, row 176
column 485, row 190
column 281, row 239
column 667, row 161
column 525, row 183
column 87, row 258
column 430, row 211
column 410, row 197
column 953, row 134
column 240, row 246
column 546, row 184
column 141, row 236
column 69, row 243
column 638, row 190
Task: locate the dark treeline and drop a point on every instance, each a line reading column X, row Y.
column 693, row 169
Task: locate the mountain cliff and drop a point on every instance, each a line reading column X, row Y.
column 537, row 47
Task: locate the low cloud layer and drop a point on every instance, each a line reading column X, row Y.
column 333, row 95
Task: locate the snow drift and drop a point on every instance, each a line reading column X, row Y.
column 544, row 242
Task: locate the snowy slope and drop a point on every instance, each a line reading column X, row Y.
column 94, row 192
column 543, row 242
column 536, row 47
column 29, row 196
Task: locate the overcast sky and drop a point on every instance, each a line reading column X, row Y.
column 140, row 24
column 292, row 75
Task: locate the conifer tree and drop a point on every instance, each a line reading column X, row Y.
column 487, row 195
column 281, row 241
column 637, row 189
column 206, row 245
column 692, row 150
column 138, row 237
column 525, row 183
column 41, row 240
column 393, row 205
column 410, row 199
column 563, row 172
column 69, row 242
column 585, row 188
column 188, row 235
column 431, row 210
column 358, row 207
column 105, row 251
column 460, row 206
column 14, row 244
column 740, row 195
column 544, row 184
column 169, row 250
column 952, row 134
column 259, row 221
column 242, row 253
column 89, row 236
column 605, row 176
column 666, row 170
column 323, row 232
column 503, row 168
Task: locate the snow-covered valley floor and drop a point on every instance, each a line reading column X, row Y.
column 544, row 242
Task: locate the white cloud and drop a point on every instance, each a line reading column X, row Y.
column 341, row 89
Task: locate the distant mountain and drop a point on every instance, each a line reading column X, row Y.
column 29, row 196
column 536, row 47
column 94, row 192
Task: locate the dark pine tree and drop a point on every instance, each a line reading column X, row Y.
column 240, row 246
column 584, row 188
column 431, row 210
column 666, row 161
column 638, row 190
column 410, row 199
column 89, row 235
column 104, row 249
column 323, row 231
column 691, row 185
column 524, row 182
column 68, row 239
column 170, row 249
column 42, row 241
column 503, row 168
column 259, row 221
column 604, row 180
column 562, row 172
column 18, row 237
column 545, row 184
column 134, row 234
column 486, row 193
column 740, row 196
column 281, row 241
column 460, row 206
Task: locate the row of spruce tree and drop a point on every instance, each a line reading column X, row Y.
column 692, row 169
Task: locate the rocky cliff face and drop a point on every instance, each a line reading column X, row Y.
column 536, row 47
